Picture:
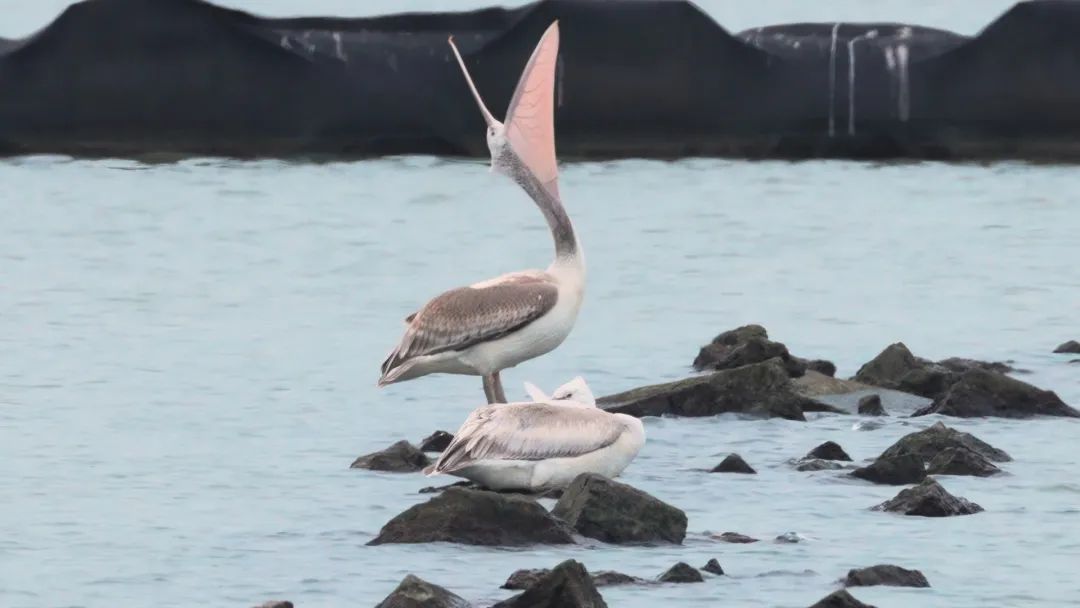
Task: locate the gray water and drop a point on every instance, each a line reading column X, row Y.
column 190, row 353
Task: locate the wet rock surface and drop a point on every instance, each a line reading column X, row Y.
column 733, row 463
column 713, row 567
column 840, row 599
column 681, row 573
column 930, row 442
column 523, row 579
column 898, row 470
column 817, row 464
column 614, row 512
column 961, row 461
column 402, row 457
column 735, row 537
column 885, row 574
column 744, row 346
column 1070, row 347
column 567, row 585
column 761, row 390
column 830, row 450
column 476, row 517
column 415, row 592
column 981, row 393
column 870, row 405
column 436, row 442
column 928, row 499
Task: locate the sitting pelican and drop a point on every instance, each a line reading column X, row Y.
column 495, row 324
column 576, row 391
column 541, row 445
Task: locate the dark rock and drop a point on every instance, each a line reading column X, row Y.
column 790, row 538
column 713, row 567
column 762, row 390
column 822, row 366
column 456, row 484
column 1071, row 347
column 896, row 368
column 817, row 465
column 830, row 450
column 890, row 366
column 744, row 346
column 735, row 537
column 681, row 573
column 436, row 442
column 961, row 365
column 983, row 393
column 840, row 599
column 276, row 604
column 961, row 461
column 415, row 592
column 567, row 585
column 870, row 405
column 930, row 442
column 475, row 517
column 523, row 579
column 733, row 463
column 893, row 470
column 614, row 512
column 885, row 574
column 402, row 457
column 928, row 499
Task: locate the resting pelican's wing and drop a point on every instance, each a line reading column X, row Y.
column 530, row 431
column 535, row 393
column 530, row 117
column 466, row 316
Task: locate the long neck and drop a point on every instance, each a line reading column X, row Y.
column 567, row 249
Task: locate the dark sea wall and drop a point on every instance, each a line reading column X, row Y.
column 635, row 78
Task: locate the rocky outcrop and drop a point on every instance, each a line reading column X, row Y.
column 840, row 599
column 436, row 442
column 614, row 512
column 735, row 537
column 475, row 517
column 743, row 346
column 928, row 499
column 930, row 442
column 1070, row 347
column 761, row 390
column 568, row 585
column 830, row 450
column 523, row 579
column 898, row 470
column 896, row 368
column 415, row 592
column 961, row 461
column 979, row 393
column 402, row 457
column 870, row 405
column 733, row 463
column 681, row 573
column 713, row 567
column 885, row 574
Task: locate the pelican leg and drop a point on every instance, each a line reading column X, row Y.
column 500, row 395
column 489, row 389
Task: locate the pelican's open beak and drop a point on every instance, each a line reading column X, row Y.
column 488, row 118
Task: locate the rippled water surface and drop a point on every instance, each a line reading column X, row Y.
column 190, row 353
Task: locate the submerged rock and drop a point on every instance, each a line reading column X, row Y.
column 681, row 573
column 790, row 538
column 733, row 463
column 276, row 604
column 402, row 457
column 436, row 442
column 983, row 393
column 523, row 579
column 475, row 517
column 928, row 499
column 830, row 450
column 762, row 390
column 870, row 405
column 713, row 567
column 415, row 592
column 961, row 461
column 1070, row 347
column 840, row 599
column 614, row 512
column 898, row 470
column 735, row 537
column 930, row 442
column 567, row 585
column 817, row 464
column 885, row 574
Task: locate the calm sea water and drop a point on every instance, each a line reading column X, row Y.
column 190, row 353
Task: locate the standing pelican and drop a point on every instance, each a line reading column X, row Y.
column 495, row 324
column 542, row 444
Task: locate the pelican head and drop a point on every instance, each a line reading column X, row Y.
column 575, row 392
